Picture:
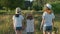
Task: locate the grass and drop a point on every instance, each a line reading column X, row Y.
column 6, row 24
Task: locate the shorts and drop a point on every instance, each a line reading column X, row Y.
column 30, row 32
column 47, row 28
column 18, row 28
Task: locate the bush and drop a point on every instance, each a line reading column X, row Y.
column 56, row 6
column 37, row 8
column 1, row 7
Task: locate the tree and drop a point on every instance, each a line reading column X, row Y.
column 11, row 4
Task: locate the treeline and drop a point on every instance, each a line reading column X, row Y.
column 37, row 4
column 11, row 4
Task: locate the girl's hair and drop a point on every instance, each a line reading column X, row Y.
column 46, row 8
column 29, row 16
column 16, row 15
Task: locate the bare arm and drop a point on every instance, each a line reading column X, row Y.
column 34, row 26
column 23, row 24
column 53, row 22
column 42, row 23
column 53, row 19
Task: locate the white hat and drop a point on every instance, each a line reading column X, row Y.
column 18, row 10
column 48, row 6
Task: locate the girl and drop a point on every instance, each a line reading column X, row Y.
column 30, row 24
column 47, row 19
column 17, row 21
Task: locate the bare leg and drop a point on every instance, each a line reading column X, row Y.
column 49, row 32
column 44, row 32
column 20, row 32
column 17, row 32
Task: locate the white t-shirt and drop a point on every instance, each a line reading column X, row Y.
column 48, row 18
column 17, row 21
column 30, row 25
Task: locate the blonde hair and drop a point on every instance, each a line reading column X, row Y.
column 45, row 9
column 47, row 6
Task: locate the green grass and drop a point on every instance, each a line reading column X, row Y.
column 6, row 24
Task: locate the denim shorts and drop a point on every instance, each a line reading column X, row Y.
column 18, row 28
column 47, row 28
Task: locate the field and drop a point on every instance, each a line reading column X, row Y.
column 6, row 24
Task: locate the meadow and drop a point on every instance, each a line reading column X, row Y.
column 6, row 23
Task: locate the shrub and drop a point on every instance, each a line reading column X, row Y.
column 56, row 6
column 37, row 8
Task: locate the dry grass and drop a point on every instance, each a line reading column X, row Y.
column 6, row 24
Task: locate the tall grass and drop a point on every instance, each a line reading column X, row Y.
column 6, row 24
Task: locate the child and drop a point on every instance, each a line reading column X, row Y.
column 47, row 19
column 30, row 24
column 17, row 21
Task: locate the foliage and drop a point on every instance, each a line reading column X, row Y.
column 37, row 8
column 12, row 3
column 6, row 25
column 56, row 6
